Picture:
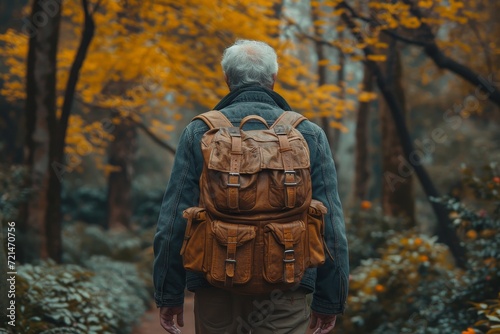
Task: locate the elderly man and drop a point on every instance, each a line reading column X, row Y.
column 250, row 70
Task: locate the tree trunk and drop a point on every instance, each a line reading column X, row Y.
column 410, row 162
column 397, row 199
column 322, row 69
column 40, row 110
column 53, row 217
column 12, row 136
column 121, row 155
column 340, row 82
column 362, row 173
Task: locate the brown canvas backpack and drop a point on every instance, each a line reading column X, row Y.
column 256, row 228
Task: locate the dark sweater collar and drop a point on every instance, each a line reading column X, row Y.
column 230, row 98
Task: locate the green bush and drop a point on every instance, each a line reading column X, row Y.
column 104, row 288
column 384, row 291
column 73, row 299
column 368, row 231
column 489, row 313
column 82, row 243
column 408, row 284
column 147, row 206
column 86, row 204
column 128, row 295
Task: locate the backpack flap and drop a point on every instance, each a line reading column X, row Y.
column 255, row 170
column 232, row 252
column 284, row 251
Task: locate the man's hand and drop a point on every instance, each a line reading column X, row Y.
column 167, row 318
column 324, row 322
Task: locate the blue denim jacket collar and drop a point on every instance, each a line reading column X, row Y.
column 255, row 97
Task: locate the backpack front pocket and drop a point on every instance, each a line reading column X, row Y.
column 284, row 245
column 232, row 253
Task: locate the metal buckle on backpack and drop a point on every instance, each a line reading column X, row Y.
column 234, row 131
column 292, row 172
column 280, row 130
column 289, row 251
column 237, row 185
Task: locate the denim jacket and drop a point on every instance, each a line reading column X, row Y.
column 329, row 282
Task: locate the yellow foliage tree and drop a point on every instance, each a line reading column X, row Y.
column 149, row 63
column 153, row 60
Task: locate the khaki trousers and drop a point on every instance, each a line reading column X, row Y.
column 218, row 311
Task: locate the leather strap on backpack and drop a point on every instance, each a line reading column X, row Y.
column 233, row 181
column 289, row 118
column 289, row 256
column 214, row 119
column 230, row 262
column 287, row 158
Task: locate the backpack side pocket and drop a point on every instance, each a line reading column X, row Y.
column 316, row 232
column 193, row 247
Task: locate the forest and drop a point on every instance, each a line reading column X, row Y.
column 94, row 95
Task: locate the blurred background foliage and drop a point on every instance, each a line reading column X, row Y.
column 94, row 95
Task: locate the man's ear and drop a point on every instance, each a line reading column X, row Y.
column 274, row 80
column 226, row 79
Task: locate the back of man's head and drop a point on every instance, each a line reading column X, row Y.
column 250, row 62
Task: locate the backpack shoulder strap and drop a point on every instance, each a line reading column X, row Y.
column 214, row 119
column 289, row 118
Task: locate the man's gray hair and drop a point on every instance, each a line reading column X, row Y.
column 249, row 62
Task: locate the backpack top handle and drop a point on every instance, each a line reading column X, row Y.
column 253, row 117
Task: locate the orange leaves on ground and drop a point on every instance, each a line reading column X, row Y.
column 471, row 234
column 366, row 205
column 423, row 258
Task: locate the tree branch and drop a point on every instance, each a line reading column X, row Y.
column 374, row 21
column 315, row 39
column 151, row 135
column 136, row 120
column 96, row 6
column 87, row 35
column 434, row 52
column 443, row 61
column 486, row 51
